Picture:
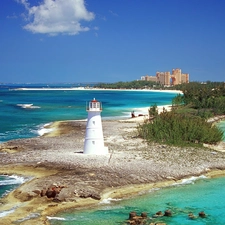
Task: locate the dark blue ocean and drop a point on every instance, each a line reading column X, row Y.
column 24, row 113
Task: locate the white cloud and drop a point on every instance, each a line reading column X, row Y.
column 55, row 17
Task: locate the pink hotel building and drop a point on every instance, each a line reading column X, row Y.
column 167, row 79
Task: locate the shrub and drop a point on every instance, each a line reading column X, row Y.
column 180, row 129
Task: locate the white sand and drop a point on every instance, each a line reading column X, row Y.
column 96, row 89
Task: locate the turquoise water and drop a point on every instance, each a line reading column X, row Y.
column 53, row 105
column 8, row 183
column 206, row 195
column 49, row 106
column 221, row 125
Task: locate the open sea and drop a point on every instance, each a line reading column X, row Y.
column 24, row 113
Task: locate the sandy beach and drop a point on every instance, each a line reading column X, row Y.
column 95, row 89
column 131, row 167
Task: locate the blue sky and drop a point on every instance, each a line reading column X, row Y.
column 45, row 41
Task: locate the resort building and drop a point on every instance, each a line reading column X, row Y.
column 167, row 79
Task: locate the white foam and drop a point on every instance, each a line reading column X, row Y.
column 55, row 218
column 13, row 179
column 43, row 130
column 190, row 180
column 28, row 106
column 24, row 106
column 35, row 107
column 109, row 200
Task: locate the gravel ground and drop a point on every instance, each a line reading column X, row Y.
column 130, row 160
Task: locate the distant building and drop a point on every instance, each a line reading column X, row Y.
column 167, row 79
column 149, row 78
column 163, row 78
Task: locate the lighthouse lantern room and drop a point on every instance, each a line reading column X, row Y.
column 94, row 141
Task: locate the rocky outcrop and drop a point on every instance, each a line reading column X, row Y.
column 87, row 193
column 52, row 191
column 132, row 162
column 134, row 219
column 167, row 213
column 202, row 214
column 62, row 193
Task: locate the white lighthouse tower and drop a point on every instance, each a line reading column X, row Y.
column 94, row 142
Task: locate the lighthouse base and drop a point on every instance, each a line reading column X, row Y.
column 99, row 151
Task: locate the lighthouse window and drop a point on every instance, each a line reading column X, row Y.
column 93, row 142
column 94, row 122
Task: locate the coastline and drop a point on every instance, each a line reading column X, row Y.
column 49, row 208
column 94, row 89
column 128, row 160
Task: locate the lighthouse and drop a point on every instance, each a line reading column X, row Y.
column 94, row 141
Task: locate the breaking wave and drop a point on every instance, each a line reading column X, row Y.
column 28, row 106
column 11, row 180
column 191, row 180
column 44, row 130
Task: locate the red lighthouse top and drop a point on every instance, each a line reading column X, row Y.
column 94, row 100
column 94, row 105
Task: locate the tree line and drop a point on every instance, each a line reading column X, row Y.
column 186, row 124
column 137, row 84
column 208, row 99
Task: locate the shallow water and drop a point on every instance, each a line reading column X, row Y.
column 24, row 112
column 221, row 125
column 7, row 184
column 206, row 195
column 48, row 106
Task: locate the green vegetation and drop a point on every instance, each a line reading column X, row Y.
column 187, row 123
column 140, row 84
column 208, row 99
column 179, row 129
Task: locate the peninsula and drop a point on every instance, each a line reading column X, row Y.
column 56, row 160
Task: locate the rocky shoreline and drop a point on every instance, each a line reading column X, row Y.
column 56, row 160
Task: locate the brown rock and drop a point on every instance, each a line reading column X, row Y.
column 144, row 215
column 159, row 213
column 202, row 214
column 54, row 193
column 191, row 216
column 95, row 196
column 167, row 213
column 132, row 215
column 49, row 193
column 43, row 192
